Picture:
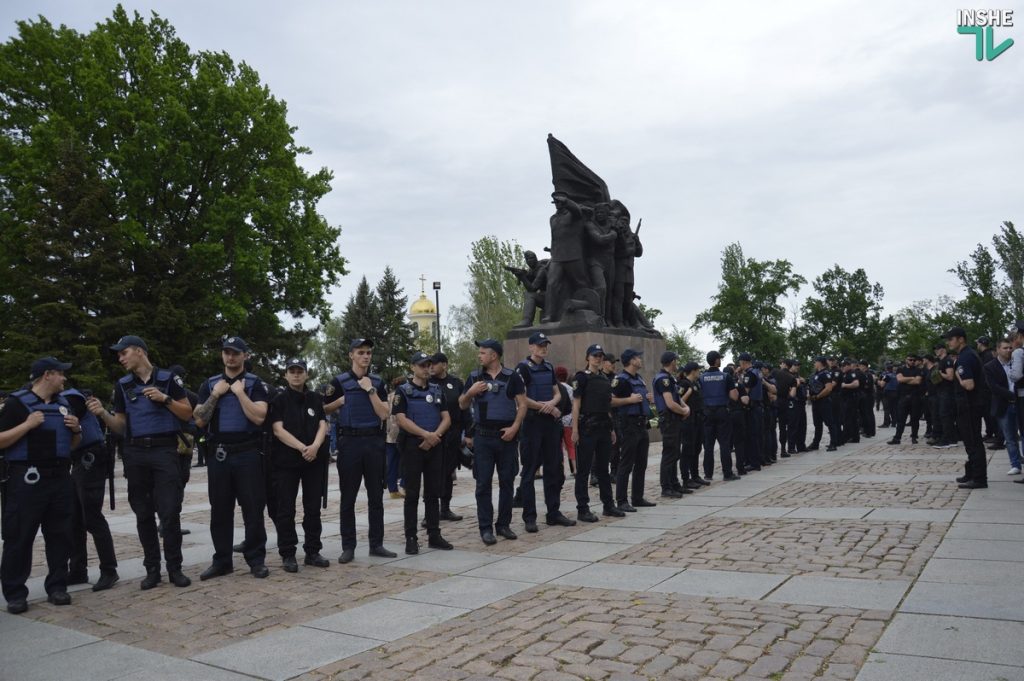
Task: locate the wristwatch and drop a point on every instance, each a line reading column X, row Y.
column 369, row 390
column 167, row 400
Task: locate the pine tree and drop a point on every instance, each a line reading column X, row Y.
column 393, row 336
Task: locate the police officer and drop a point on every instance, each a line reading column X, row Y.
column 89, row 470
column 540, row 442
column 718, row 389
column 422, row 415
column 233, row 407
column 498, row 397
column 992, row 433
column 149, row 409
column 630, row 398
column 944, row 429
column 754, row 386
column 867, row 412
column 889, row 387
column 849, row 398
column 820, row 391
column 971, row 404
column 299, row 453
column 797, row 430
column 738, row 419
column 672, row 411
column 593, row 433
column 361, row 398
column 608, row 367
column 783, row 382
column 770, row 446
column 837, row 411
column 451, row 387
column 908, row 405
column 691, row 432
column 39, row 432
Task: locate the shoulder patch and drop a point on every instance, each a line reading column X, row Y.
column 664, row 383
column 615, row 381
column 177, row 379
column 960, row 371
column 329, row 390
column 575, row 385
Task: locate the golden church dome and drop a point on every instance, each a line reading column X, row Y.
column 422, row 305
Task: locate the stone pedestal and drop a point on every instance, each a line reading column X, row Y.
column 569, row 347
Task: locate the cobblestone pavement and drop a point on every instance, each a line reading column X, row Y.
column 864, row 564
column 838, row 548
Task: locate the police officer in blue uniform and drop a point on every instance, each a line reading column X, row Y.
column 422, row 415
column 820, row 393
column 738, row 420
column 451, row 387
column 797, row 431
column 498, row 397
column 867, row 414
column 150, row 407
column 540, row 442
column 361, row 400
column 233, row 407
column 39, row 432
column 754, row 385
column 89, row 469
column 888, row 385
column 672, row 412
column 691, row 432
column 718, row 389
column 971, row 404
column 593, row 432
column 299, row 454
column 630, row 397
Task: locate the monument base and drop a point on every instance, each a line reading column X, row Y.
column 569, row 346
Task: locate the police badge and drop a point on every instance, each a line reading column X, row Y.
column 63, row 410
column 310, row 411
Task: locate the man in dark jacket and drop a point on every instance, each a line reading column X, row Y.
column 1004, row 401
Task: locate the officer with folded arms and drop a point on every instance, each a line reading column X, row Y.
column 361, row 400
column 718, row 389
column 90, row 464
column 300, row 457
column 672, row 411
column 39, row 433
column 593, row 433
column 498, row 397
column 422, row 414
column 149, row 409
column 820, row 390
column 233, row 406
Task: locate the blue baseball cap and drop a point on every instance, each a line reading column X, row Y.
column 296, row 362
column 128, row 341
column 41, row 366
column 360, row 342
column 539, row 339
column 420, row 357
column 235, row 343
column 595, row 349
column 630, row 353
column 668, row 357
column 490, row 344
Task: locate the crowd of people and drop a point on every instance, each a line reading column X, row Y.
column 262, row 444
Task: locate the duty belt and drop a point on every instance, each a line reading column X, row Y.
column 33, row 474
column 149, row 442
column 87, row 458
column 488, row 432
column 360, row 432
column 634, row 420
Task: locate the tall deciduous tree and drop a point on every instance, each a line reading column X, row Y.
column 146, row 188
column 984, row 309
column 746, row 314
column 1009, row 245
column 844, row 316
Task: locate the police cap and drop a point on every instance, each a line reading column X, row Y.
column 360, row 342
column 490, row 344
column 984, row 340
column 596, row 349
column 668, row 357
column 955, row 332
column 420, row 357
column 821, row 358
column 41, row 366
column 128, row 341
column 539, row 338
column 296, row 362
column 439, row 358
column 235, row 343
column 744, row 357
column 630, row 353
column 690, row 366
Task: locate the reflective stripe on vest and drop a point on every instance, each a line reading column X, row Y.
column 146, row 417
column 49, row 440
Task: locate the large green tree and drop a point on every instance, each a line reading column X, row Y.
column 395, row 335
column 146, row 188
column 843, row 316
column 1009, row 245
column 985, row 308
column 746, row 314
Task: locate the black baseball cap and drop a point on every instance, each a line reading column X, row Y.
column 984, row 340
column 128, row 341
column 420, row 357
column 821, row 358
column 44, row 364
column 440, row 357
column 744, row 357
column 490, row 344
column 235, row 343
column 296, row 362
column 690, row 366
column 668, row 357
column 539, row 338
column 955, row 332
column 596, row 349
column 714, row 356
column 630, row 353
column 610, row 357
column 359, row 342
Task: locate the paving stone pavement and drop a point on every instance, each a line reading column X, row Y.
column 863, row 564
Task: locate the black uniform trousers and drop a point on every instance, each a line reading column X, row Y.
column 717, row 427
column 90, row 486
column 593, row 453
column 47, row 504
column 908, row 406
column 361, row 460
column 797, row 429
column 867, row 414
column 969, row 419
column 738, row 423
column 540, row 444
column 491, row 453
column 154, row 489
column 771, row 445
column 782, row 407
column 287, row 480
column 670, row 426
column 837, row 414
column 849, row 403
column 889, row 400
column 427, row 466
column 239, row 477
column 946, row 430
column 689, row 450
column 633, row 459
column 821, row 413
column 755, row 434
column 698, row 439
column 452, row 445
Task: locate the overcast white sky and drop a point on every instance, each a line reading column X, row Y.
column 863, row 133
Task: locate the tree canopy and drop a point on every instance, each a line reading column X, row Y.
column 146, row 188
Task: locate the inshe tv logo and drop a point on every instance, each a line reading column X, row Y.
column 982, row 23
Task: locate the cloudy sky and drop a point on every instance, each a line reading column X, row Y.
column 863, row 133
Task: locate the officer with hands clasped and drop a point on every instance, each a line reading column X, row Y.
column 423, row 418
column 594, row 434
column 233, row 406
column 361, row 400
column 39, row 432
column 540, row 443
column 451, row 387
column 630, row 398
column 150, row 407
column 299, row 456
column 718, row 389
column 498, row 397
column 671, row 413
column 820, row 390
